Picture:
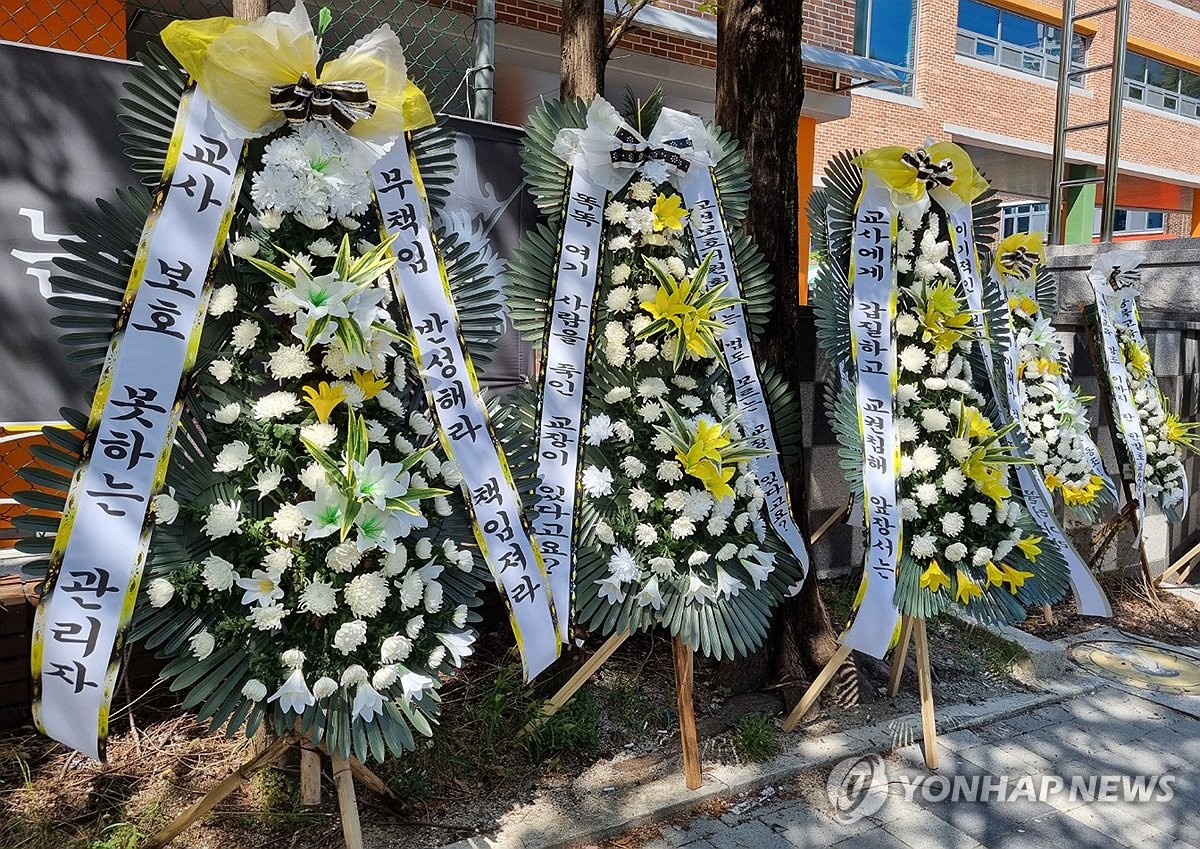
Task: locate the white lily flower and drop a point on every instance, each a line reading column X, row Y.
column 262, row 587
column 293, row 695
column 368, row 703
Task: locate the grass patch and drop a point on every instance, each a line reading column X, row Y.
column 755, row 738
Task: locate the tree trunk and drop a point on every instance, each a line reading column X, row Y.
column 760, row 91
column 250, row 10
column 583, row 51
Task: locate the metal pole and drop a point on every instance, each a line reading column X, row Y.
column 483, row 73
column 1065, row 43
column 1112, row 152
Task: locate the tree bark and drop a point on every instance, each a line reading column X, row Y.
column 584, row 53
column 250, row 10
column 760, row 92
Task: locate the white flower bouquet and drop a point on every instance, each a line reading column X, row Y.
column 672, row 529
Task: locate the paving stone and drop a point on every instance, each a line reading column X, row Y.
column 1122, row 822
column 749, row 835
column 876, row 838
column 919, row 830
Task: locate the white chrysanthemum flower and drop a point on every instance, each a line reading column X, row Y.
column 244, row 247
column 160, row 591
column 923, row 546
column 275, row 405
column 323, row 248
column 960, row 448
column 651, row 412
column 689, row 402
column 367, row 594
column 289, row 362
column 623, row 566
column 982, row 556
column 616, row 212
column 324, row 687
column 604, row 532
column 955, row 552
column 979, row 512
column 926, row 494
column 232, row 458
column 682, row 528
column 935, row 384
column 313, row 476
column 620, row 243
column 221, row 370
column 953, row 524
column 934, row 421
column 350, row 636
column 909, row 509
column 354, row 675
column 632, row 466
column 267, row 481
column 278, row 560
column 412, row 589
column 245, row 335
column 222, row 300
column 669, row 471
column 954, row 482
column 254, row 690
column 645, row 535
column 906, row 324
column 617, row 394
column 166, row 509
column 395, row 649
column 223, row 518
column 907, row 429
column 268, row 617
column 414, row 626
column 202, row 644
column 228, row 413
column 288, row 522
column 676, row 267
column 639, row 499
column 320, row 434
column 434, row 595
column 343, row 557
column 913, row 359
column 597, row 482
column 652, row 387
column 420, row 424
column 925, row 459
column 217, row 573
column 598, row 429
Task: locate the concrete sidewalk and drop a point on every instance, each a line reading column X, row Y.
column 1014, row 765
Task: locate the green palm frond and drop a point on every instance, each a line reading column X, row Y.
column 1046, row 291
column 545, row 173
column 843, row 184
column 154, row 87
column 641, row 114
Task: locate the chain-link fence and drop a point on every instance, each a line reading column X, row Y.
column 437, row 36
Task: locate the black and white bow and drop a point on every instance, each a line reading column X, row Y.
column 932, row 174
column 344, row 102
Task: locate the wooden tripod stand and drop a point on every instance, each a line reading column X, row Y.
column 345, row 771
column 909, row 626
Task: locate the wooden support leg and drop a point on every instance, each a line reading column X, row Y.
column 1178, row 565
column 899, row 656
column 581, row 677
column 692, row 772
column 215, row 796
column 816, row 688
column 925, row 680
column 831, row 521
column 1048, row 614
column 343, row 779
column 310, row 775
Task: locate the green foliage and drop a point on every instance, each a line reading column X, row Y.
column 755, row 737
column 120, row 835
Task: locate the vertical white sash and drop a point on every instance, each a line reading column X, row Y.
column 100, row 550
column 463, row 425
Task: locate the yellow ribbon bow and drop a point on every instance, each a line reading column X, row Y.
column 238, row 63
column 915, row 172
column 1020, row 254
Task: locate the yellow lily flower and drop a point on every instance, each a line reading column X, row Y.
column 1138, row 359
column 967, row 589
column 1024, row 303
column 1029, row 547
column 1053, row 482
column 1074, row 496
column 324, row 399
column 944, row 319
column 977, row 425
column 933, row 578
column 714, row 477
column 706, row 445
column 669, row 213
column 995, row 577
column 369, row 383
column 1015, row 578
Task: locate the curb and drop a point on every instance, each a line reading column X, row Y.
column 546, row 825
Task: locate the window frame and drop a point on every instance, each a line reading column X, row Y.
column 1043, row 55
column 1144, row 93
column 862, row 44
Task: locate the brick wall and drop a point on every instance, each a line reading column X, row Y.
column 950, row 91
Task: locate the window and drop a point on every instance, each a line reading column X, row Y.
column 1024, row 218
column 884, row 31
column 1132, row 221
column 1014, row 41
column 1161, row 86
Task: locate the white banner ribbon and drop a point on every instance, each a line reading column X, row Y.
column 463, row 426
column 1089, row 597
column 698, row 187
column 873, row 289
column 100, row 549
column 1129, row 421
column 560, row 419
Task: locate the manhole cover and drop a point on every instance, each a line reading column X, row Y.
column 1139, row 665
